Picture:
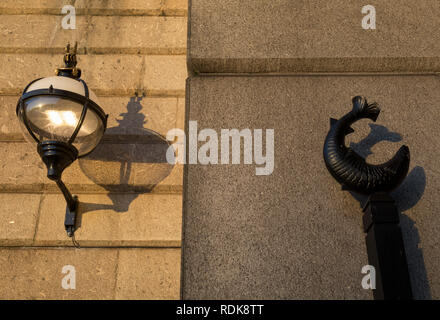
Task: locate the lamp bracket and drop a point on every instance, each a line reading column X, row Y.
column 57, row 156
column 70, row 218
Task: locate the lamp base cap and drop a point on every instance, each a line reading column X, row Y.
column 57, row 156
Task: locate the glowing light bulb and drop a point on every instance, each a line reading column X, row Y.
column 70, row 118
column 64, row 117
column 54, row 117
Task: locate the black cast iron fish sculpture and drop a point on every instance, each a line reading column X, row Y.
column 349, row 168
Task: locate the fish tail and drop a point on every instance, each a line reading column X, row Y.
column 362, row 109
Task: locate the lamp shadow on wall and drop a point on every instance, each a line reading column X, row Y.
column 407, row 195
column 130, row 160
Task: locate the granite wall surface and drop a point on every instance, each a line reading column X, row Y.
column 295, row 233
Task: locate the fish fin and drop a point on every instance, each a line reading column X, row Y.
column 332, row 121
column 344, row 188
column 349, row 130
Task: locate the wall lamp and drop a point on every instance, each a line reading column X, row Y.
column 62, row 116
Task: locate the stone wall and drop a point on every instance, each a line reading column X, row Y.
column 132, row 54
column 291, row 66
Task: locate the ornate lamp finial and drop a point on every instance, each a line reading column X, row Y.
column 70, row 61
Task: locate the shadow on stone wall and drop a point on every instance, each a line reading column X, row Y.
column 377, row 134
column 407, row 195
column 130, row 160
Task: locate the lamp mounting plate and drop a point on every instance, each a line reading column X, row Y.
column 70, row 218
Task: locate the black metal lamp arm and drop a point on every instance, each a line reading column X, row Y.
column 71, row 202
column 57, row 156
column 71, row 208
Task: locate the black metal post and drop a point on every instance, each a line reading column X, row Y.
column 385, row 248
